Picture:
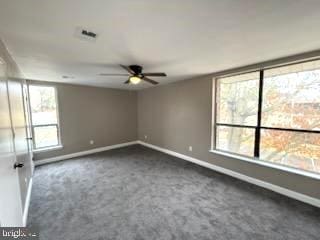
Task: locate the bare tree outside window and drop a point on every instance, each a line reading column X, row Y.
column 44, row 116
column 289, row 133
column 237, row 105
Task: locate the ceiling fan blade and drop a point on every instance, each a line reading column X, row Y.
column 155, row 74
column 127, row 69
column 150, row 80
column 127, row 82
column 113, row 74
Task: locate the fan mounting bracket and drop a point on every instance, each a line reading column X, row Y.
column 136, row 69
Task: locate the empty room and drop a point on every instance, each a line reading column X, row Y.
column 160, row 120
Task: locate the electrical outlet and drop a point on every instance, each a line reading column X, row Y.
column 190, row 148
column 145, row 136
column 91, row 142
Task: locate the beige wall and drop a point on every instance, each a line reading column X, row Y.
column 178, row 115
column 107, row 116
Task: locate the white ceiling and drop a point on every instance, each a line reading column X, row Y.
column 183, row 38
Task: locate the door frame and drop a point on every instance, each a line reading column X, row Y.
column 28, row 121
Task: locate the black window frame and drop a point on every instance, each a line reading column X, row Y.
column 258, row 128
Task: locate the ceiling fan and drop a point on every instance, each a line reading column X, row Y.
column 136, row 75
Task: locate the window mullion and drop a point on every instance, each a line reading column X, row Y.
column 258, row 128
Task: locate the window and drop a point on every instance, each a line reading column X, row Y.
column 271, row 115
column 44, row 116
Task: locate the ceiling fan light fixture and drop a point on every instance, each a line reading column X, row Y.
column 134, row 79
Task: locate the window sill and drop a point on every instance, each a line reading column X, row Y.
column 47, row 149
column 268, row 164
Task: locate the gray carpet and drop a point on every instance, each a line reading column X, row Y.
column 138, row 193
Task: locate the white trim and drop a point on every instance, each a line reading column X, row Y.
column 87, row 152
column 27, row 204
column 269, row 164
column 47, row 149
column 289, row 193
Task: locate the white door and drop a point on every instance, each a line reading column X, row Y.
column 22, row 147
column 10, row 197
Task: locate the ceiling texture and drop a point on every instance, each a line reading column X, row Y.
column 184, row 38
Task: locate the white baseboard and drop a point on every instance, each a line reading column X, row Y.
column 284, row 191
column 83, row 153
column 27, row 204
